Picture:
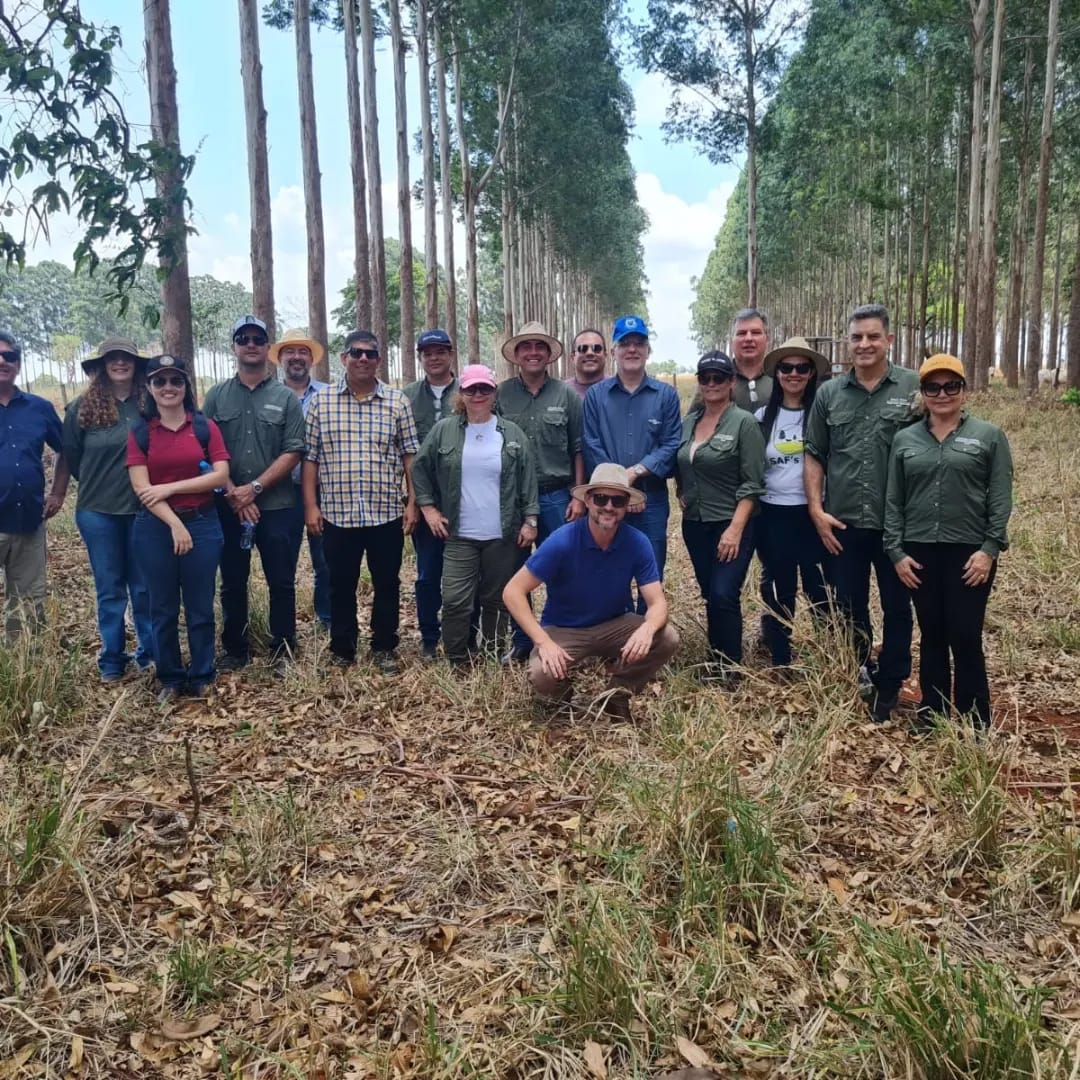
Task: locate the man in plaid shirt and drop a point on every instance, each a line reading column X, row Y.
column 361, row 439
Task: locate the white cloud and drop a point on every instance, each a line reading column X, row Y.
column 652, row 95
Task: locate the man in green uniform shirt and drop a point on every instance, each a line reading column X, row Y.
column 262, row 424
column 549, row 412
column 848, row 437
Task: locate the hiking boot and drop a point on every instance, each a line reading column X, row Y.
column 167, row 695
column 201, row 690
column 616, row 707
column 429, row 651
column 386, row 663
column 232, row 662
column 882, row 705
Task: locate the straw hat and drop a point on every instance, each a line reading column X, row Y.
column 609, row 475
column 297, row 337
column 531, row 331
column 796, row 346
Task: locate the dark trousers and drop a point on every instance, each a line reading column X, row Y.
column 851, row 570
column 951, row 616
column 720, row 583
column 653, row 522
column 553, row 505
column 789, row 547
column 475, row 572
column 275, row 538
column 429, row 568
column 345, row 550
column 319, row 569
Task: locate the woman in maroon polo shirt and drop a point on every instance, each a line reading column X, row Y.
column 175, row 462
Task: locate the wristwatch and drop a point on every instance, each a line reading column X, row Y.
column 639, row 471
column 257, row 487
column 531, row 522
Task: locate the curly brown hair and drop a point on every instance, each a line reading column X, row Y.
column 98, row 406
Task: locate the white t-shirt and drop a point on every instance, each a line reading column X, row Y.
column 784, row 459
column 437, row 391
column 481, row 471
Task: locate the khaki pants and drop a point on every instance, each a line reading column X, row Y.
column 605, row 640
column 22, row 557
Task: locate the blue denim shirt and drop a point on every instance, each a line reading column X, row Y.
column 313, row 387
column 643, row 427
column 27, row 423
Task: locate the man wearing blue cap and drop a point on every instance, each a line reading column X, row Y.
column 431, row 399
column 633, row 420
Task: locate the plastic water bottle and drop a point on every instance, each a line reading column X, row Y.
column 247, row 535
column 204, row 468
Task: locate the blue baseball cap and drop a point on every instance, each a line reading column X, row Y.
column 629, row 324
column 435, row 336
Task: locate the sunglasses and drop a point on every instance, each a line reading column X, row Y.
column 250, row 339
column 949, row 389
column 364, row 354
column 585, row 349
column 617, row 502
column 786, row 368
column 172, row 380
column 480, row 390
column 13, row 357
column 708, row 377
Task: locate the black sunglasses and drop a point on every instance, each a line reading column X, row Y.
column 12, row 357
column 583, row 349
column 786, row 368
column 949, row 389
column 158, row 381
column 363, row 354
column 250, row 339
column 480, row 389
column 707, row 377
column 616, row 501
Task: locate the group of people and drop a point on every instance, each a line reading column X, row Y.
column 877, row 470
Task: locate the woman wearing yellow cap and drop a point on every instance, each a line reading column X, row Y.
column 947, row 506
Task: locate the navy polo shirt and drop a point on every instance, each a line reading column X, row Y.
column 27, row 423
column 586, row 584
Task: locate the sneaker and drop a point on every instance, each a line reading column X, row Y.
column 867, row 689
column 519, row 654
column 167, row 695
column 112, row 678
column 429, row 651
column 616, row 707
column 201, row 690
column 231, row 662
column 386, row 663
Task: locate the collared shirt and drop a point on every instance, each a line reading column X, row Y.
column 643, row 427
column 175, row 455
column 588, row 584
column 725, row 468
column 360, row 447
column 428, row 410
column 850, row 431
column 97, row 458
column 956, row 491
column 27, row 423
column 750, row 397
column 551, row 420
column 581, row 388
column 258, row 425
column 312, row 388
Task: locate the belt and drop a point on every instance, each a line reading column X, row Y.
column 553, row 485
column 193, row 513
column 652, row 483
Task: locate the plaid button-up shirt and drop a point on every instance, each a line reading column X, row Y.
column 360, row 447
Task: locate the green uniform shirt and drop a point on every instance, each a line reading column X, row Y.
column 957, row 491
column 725, row 468
column 427, row 412
column 850, row 432
column 98, row 460
column 258, row 426
column 552, row 423
column 437, row 474
column 751, row 400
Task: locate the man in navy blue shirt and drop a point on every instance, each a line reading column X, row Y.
column 588, row 567
column 633, row 420
column 27, row 423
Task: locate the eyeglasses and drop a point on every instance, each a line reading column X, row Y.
column 250, row 339
column 949, row 389
column 480, row 390
column 585, row 349
column 364, row 354
column 12, row 357
column 794, row 369
column 617, row 502
column 172, row 380
column 708, row 377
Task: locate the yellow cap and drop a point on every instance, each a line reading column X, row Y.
column 941, row 362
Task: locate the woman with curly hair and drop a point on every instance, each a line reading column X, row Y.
column 96, row 428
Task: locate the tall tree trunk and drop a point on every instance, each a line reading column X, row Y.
column 1010, row 356
column 1055, row 292
column 958, row 225
column 374, row 177
column 262, row 244
column 979, row 12
column 361, row 245
column 309, row 152
column 427, row 148
column 445, row 196
column 408, row 294
column 176, row 330
column 1074, row 318
column 1042, row 200
column 751, row 191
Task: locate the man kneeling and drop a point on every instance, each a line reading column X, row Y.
column 588, row 566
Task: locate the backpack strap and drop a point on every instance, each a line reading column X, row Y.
column 199, row 424
column 141, row 433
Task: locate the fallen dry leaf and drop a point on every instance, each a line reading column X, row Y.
column 691, row 1052
column 75, row 1059
column 11, row 1066
column 693, row 1073
column 596, row 1059
column 190, row 1029
column 836, row 887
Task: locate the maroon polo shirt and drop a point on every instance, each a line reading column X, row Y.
column 175, row 455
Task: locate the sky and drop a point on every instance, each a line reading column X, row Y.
column 682, row 193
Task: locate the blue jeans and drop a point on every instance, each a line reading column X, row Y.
column 275, row 537
column 851, row 569
column 429, row 568
column 319, row 569
column 720, row 583
column 108, row 539
column 552, row 516
column 653, row 522
column 171, row 578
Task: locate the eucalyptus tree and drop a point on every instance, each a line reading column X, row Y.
column 407, row 335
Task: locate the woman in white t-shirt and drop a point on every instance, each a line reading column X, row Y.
column 787, row 542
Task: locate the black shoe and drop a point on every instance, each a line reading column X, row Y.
column 881, row 708
column 519, row 654
column 201, row 690
column 167, row 695
column 232, row 662
column 340, row 661
column 386, row 662
column 616, row 707
column 923, row 722
column 429, row 651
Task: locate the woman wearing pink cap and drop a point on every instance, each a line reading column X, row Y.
column 475, row 483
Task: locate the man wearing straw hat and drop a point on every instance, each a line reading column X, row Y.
column 549, row 412
column 295, row 355
column 588, row 567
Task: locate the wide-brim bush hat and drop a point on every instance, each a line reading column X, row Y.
column 796, row 346
column 111, row 345
column 531, row 331
column 297, row 336
column 609, row 475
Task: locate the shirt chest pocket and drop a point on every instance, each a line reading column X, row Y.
column 270, row 416
column 843, row 428
column 654, row 426
column 553, row 428
column 969, row 459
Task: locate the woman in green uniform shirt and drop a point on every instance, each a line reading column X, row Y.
column 947, row 506
column 720, row 469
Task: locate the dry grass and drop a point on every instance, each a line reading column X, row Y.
column 415, row 877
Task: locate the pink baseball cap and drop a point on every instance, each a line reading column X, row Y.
column 476, row 375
